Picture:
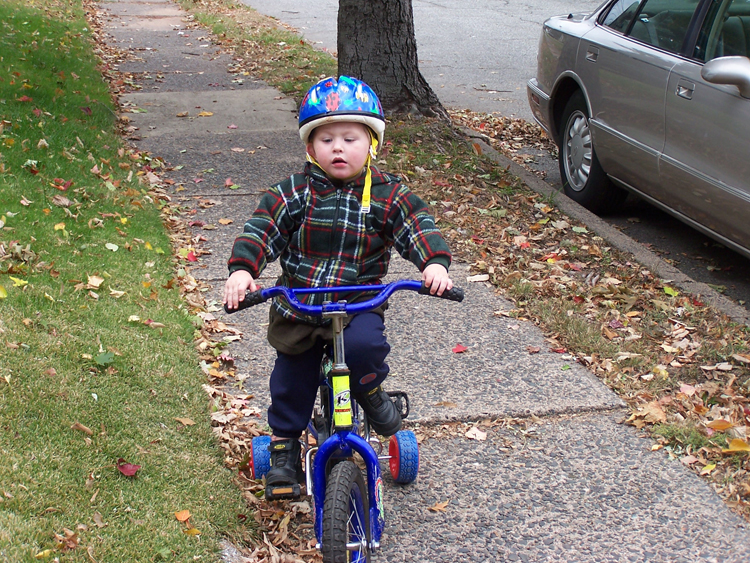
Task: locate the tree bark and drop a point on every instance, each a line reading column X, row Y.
column 376, row 43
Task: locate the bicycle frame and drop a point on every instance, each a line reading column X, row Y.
column 344, row 439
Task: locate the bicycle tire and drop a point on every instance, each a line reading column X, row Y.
column 260, row 457
column 404, row 451
column 346, row 516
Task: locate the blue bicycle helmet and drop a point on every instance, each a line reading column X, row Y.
column 345, row 99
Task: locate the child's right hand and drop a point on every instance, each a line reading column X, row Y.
column 236, row 286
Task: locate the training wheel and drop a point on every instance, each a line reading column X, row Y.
column 404, row 453
column 260, row 457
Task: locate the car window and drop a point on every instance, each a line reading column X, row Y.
column 725, row 31
column 664, row 23
column 621, row 14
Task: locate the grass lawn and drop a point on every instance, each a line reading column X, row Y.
column 97, row 370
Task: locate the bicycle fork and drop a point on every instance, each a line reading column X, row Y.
column 342, row 443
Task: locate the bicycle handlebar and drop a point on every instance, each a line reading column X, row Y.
column 384, row 291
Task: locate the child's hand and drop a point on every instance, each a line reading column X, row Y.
column 236, row 286
column 435, row 276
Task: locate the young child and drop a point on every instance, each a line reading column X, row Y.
column 332, row 225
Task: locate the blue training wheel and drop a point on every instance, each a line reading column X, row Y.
column 404, row 452
column 260, row 457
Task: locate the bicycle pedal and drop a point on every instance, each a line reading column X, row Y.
column 283, row 492
column 401, row 400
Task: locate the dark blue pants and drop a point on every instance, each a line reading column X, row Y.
column 295, row 379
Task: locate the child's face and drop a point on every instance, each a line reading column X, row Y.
column 340, row 148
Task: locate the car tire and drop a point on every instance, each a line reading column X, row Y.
column 583, row 178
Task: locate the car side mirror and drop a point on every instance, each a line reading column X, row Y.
column 729, row 70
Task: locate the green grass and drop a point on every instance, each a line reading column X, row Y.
column 76, row 354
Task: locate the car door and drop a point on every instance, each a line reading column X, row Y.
column 705, row 168
column 625, row 64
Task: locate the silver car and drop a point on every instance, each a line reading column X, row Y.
column 653, row 96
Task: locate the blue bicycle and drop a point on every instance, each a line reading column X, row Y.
column 348, row 507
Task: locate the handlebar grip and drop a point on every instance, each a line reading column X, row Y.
column 251, row 299
column 453, row 294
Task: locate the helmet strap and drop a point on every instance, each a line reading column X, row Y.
column 373, row 152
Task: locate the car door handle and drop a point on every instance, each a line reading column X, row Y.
column 592, row 53
column 685, row 89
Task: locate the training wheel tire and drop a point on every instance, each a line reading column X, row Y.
column 404, row 453
column 260, row 457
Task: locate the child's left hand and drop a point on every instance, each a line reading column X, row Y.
column 435, row 276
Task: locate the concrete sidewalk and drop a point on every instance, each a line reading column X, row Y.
column 576, row 487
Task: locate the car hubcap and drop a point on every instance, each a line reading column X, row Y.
column 578, row 151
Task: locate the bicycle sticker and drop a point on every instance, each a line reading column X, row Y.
column 379, row 496
column 343, row 400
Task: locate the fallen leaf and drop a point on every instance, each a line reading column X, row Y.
column 61, row 201
column 439, row 506
column 688, row 390
column 127, row 469
column 478, row 278
column 446, row 404
column 737, row 446
column 182, row 515
column 689, row 460
column 99, row 520
column 17, row 282
column 185, row 421
column 708, row 469
column 459, row 348
column 205, row 114
column 720, row 425
column 193, row 532
column 475, row 433
column 82, row 428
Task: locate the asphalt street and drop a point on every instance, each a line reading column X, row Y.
column 476, row 55
column 479, row 56
column 574, row 484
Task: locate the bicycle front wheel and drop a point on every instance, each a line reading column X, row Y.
column 346, row 518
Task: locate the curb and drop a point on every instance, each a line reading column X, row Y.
column 613, row 236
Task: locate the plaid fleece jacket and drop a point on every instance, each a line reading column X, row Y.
column 323, row 239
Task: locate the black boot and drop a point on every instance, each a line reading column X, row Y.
column 285, row 475
column 382, row 414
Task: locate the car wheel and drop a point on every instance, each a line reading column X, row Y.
column 583, row 179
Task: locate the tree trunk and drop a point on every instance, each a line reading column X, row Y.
column 376, row 44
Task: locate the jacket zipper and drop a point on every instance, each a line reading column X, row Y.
column 334, row 225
